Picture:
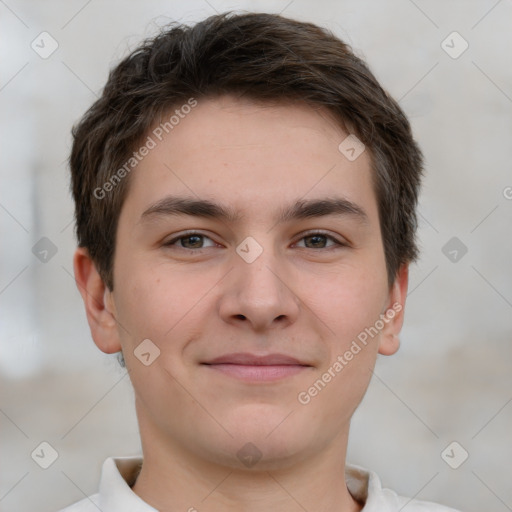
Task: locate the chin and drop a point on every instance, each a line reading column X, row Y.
column 264, row 438
column 258, row 455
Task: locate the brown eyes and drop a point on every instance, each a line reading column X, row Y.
column 194, row 241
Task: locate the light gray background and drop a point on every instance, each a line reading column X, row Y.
column 450, row 381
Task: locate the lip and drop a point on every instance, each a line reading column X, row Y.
column 245, row 358
column 257, row 368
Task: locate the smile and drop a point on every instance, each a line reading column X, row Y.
column 258, row 372
column 250, row 367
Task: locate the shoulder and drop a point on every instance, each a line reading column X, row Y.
column 408, row 505
column 366, row 487
column 115, row 493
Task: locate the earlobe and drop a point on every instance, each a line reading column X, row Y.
column 389, row 341
column 389, row 344
column 97, row 301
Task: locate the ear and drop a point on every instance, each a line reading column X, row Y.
column 394, row 313
column 98, row 302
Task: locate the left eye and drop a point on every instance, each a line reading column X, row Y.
column 319, row 240
column 196, row 240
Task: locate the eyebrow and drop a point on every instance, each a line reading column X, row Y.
column 301, row 209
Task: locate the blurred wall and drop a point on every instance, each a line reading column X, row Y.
column 448, row 64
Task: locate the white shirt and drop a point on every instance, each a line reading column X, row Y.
column 119, row 474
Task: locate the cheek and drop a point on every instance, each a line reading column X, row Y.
column 158, row 302
column 146, row 305
column 349, row 306
column 347, row 301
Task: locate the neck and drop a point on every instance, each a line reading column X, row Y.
column 174, row 479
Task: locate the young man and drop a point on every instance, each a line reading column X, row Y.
column 245, row 204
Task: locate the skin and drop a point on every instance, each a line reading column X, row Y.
column 299, row 297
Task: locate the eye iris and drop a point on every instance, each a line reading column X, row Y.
column 322, row 239
column 199, row 239
column 196, row 241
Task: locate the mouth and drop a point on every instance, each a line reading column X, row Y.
column 250, row 367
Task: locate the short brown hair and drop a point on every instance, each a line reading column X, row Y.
column 260, row 56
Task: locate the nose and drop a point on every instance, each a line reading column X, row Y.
column 260, row 294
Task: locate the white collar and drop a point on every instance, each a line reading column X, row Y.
column 119, row 473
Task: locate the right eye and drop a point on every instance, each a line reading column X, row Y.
column 191, row 240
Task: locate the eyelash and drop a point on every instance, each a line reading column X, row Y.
column 188, row 234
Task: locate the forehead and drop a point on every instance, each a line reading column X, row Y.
column 250, row 155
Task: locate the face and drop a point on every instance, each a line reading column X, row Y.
column 256, row 317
